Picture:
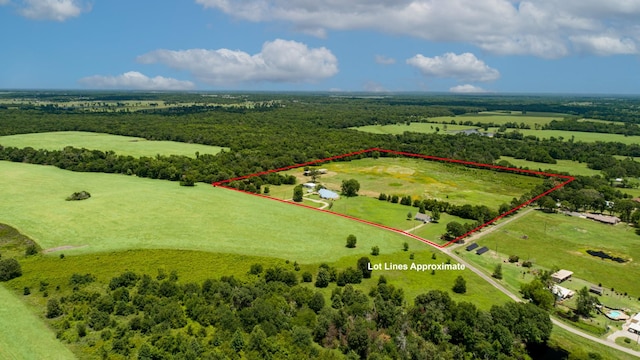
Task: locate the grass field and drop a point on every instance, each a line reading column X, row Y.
column 578, row 136
column 562, row 241
column 121, row 145
column 580, row 347
column 427, row 179
column 501, row 118
column 572, row 167
column 23, row 335
column 128, row 213
column 426, row 128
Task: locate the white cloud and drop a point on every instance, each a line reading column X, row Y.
column 464, row 67
column 383, row 60
column 136, row 81
column 604, row 45
column 538, row 27
column 58, row 10
column 4, row 2
column 467, row 88
column 278, row 61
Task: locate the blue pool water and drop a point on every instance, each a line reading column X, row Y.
column 614, row 314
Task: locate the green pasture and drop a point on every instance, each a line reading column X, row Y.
column 577, row 136
column 419, row 127
column 126, row 212
column 428, row 179
column 563, row 341
column 121, row 145
column 569, row 166
column 433, row 231
column 561, row 241
column 23, row 335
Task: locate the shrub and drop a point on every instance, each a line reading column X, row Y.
column 405, row 246
column 82, row 195
column 255, row 269
column 31, row 250
column 307, row 277
column 375, row 251
column 26, row 291
column 514, row 258
column 497, row 272
column 53, row 309
column 351, row 241
column 527, row 264
column 460, row 285
column 9, row 269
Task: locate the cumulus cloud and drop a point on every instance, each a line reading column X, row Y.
column 383, row 60
column 464, row 67
column 467, row 88
column 135, row 81
column 58, row 10
column 538, row 27
column 279, row 61
column 604, row 45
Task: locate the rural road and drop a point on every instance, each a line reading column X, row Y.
column 490, row 280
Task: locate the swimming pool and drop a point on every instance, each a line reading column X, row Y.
column 614, row 314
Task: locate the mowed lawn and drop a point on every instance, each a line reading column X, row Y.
column 562, row 241
column 572, row 167
column 23, row 335
column 126, row 212
column 121, row 145
column 419, row 178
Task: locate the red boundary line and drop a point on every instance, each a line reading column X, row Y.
column 567, row 178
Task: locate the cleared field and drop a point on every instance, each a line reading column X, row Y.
column 572, row 167
column 562, row 241
column 122, row 145
column 426, row 179
column 500, row 118
column 433, row 231
column 578, row 136
column 23, row 335
column 133, row 213
column 579, row 347
column 426, row 128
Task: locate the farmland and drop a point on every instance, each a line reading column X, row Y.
column 427, row 179
column 121, row 145
column 23, row 335
column 561, row 241
column 568, row 166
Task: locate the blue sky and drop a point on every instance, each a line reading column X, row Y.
column 497, row 46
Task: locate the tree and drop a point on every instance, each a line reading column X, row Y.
column 585, row 303
column 317, row 302
column 297, row 193
column 9, row 269
column 547, row 204
column 363, row 266
column 351, row 241
column 538, row 293
column 497, row 272
column 435, row 215
column 405, row 246
column 323, row 277
column 350, row 187
column 455, row 229
column 460, row 285
column 53, row 309
column 375, row 251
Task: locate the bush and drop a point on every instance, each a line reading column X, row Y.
column 460, row 285
column 307, row 277
column 26, row 291
column 82, row 195
column 405, row 246
column 497, row 272
column 375, row 251
column 255, row 269
column 514, row 258
column 322, row 279
column 527, row 264
column 9, row 269
column 53, row 309
column 351, row 241
column 31, row 250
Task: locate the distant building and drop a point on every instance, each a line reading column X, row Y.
column 634, row 324
column 606, row 219
column 328, row 194
column 309, row 185
column 561, row 275
column 596, row 290
column 423, row 217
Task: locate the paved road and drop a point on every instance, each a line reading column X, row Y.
column 490, row 280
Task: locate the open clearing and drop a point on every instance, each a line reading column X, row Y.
column 425, row 128
column 23, row 335
column 127, row 213
column 121, row 145
column 577, row 136
column 562, row 241
column 569, row 166
column 454, row 183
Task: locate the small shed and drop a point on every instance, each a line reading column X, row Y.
column 423, row 217
column 596, row 290
column 561, row 275
column 328, row 194
column 472, row 247
column 562, row 293
column 309, row 185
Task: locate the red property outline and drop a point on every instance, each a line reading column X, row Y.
column 567, row 178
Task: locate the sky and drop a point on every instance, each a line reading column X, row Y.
column 458, row 46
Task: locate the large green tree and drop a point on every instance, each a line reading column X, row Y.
column 350, row 187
